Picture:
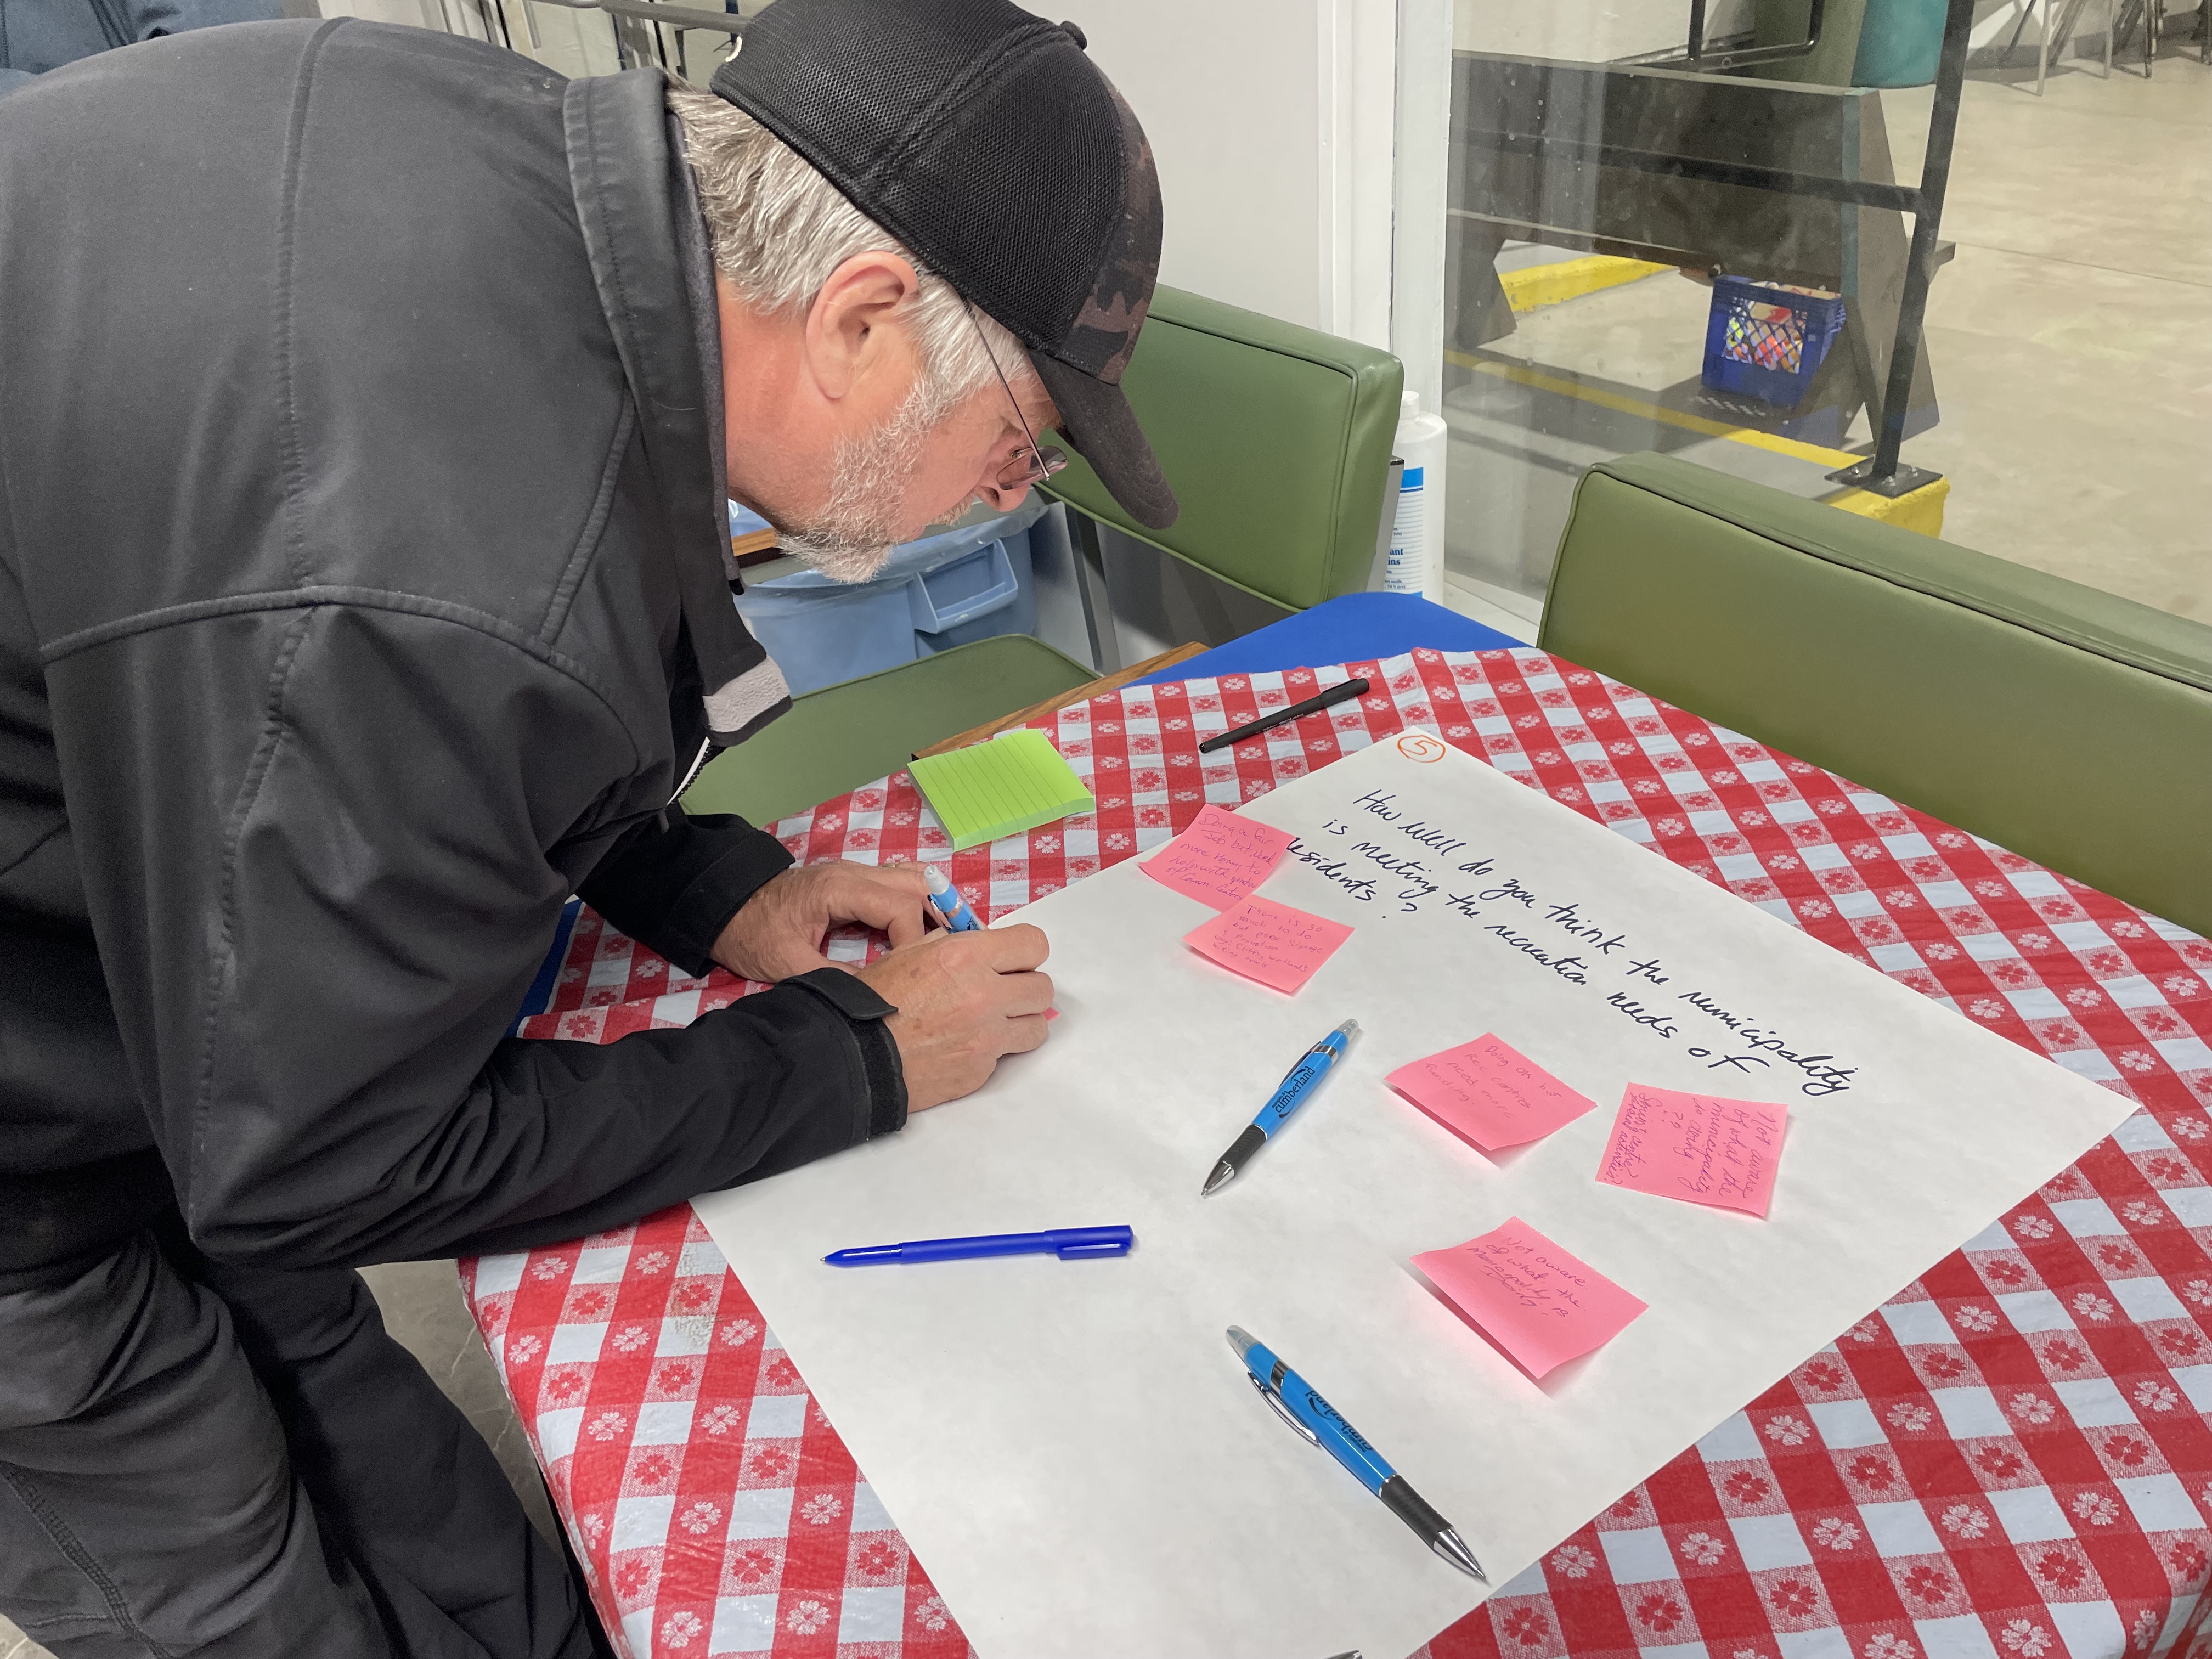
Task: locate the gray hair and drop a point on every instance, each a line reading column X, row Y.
column 779, row 229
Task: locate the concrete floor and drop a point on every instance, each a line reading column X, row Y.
column 2071, row 340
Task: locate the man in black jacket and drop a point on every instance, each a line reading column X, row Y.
column 367, row 402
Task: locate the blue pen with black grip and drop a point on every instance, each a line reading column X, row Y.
column 1291, row 1093
column 1297, row 1403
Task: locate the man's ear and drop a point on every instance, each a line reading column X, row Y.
column 845, row 340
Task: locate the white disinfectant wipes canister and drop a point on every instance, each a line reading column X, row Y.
column 1416, row 563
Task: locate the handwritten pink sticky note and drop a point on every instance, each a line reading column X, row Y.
column 1272, row 943
column 1696, row 1148
column 1528, row 1296
column 1220, row 858
column 1490, row 1092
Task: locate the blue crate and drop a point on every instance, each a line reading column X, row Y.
column 953, row 588
column 1766, row 341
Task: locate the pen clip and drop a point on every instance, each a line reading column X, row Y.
column 1280, row 1409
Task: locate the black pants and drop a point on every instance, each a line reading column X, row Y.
column 202, row 1459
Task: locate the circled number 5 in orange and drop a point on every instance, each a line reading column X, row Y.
column 1420, row 746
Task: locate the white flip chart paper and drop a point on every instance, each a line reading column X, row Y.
column 1071, row 1448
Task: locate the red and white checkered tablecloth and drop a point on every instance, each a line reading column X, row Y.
column 2009, row 1461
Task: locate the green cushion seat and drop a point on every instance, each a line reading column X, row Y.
column 2065, row 724
column 1276, row 438
column 846, row 735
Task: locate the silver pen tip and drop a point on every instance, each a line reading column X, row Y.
column 1449, row 1545
column 1223, row 1173
column 1350, row 1028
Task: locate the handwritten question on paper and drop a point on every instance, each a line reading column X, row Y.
column 1540, row 1304
column 1696, row 1148
column 1381, row 853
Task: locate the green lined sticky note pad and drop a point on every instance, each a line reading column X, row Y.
column 1001, row 787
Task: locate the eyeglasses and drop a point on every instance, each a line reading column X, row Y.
column 1042, row 460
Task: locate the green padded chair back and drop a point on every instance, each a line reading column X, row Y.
column 2072, row 727
column 1276, row 440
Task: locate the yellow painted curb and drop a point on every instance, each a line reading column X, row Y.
column 1535, row 286
column 1921, row 510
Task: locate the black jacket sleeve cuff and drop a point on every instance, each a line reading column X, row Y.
column 673, row 883
column 851, row 996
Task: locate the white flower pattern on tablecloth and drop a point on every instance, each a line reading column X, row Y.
column 1907, row 1416
column 2032, row 1408
column 2156, row 1396
column 1966, row 1521
column 1703, row 1548
column 2025, row 1638
column 822, row 1508
column 1788, row 1430
column 2095, row 1507
column 1885, row 1645
column 1573, row 1560
column 808, row 1617
column 738, row 1333
column 1835, row 1534
column 678, row 1630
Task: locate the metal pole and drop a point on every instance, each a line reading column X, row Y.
column 1882, row 474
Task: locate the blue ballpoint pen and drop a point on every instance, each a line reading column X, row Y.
column 1290, row 1094
column 951, row 907
column 1296, row 1403
column 1068, row 1243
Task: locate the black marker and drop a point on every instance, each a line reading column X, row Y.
column 1328, row 699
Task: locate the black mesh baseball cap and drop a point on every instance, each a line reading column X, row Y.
column 986, row 140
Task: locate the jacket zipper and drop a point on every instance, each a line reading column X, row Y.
column 706, row 748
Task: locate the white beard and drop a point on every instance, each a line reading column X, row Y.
column 859, row 526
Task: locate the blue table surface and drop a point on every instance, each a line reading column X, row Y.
column 1350, row 628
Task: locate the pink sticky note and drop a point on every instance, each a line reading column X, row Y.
column 1528, row 1296
column 1220, row 858
column 1696, row 1148
column 1490, row 1092
column 1271, row 943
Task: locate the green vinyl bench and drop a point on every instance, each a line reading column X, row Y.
column 2065, row 724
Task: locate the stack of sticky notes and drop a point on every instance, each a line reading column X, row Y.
column 1012, row 783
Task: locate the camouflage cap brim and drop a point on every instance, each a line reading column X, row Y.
column 1100, row 426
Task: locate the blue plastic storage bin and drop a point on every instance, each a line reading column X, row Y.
column 1767, row 340
column 953, row 588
